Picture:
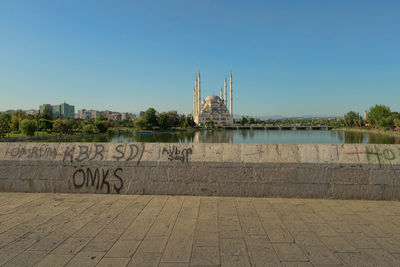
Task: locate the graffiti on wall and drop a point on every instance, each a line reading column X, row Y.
column 381, row 154
column 173, row 153
column 43, row 151
column 77, row 152
column 101, row 179
column 121, row 152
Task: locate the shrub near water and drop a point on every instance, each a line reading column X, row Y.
column 28, row 127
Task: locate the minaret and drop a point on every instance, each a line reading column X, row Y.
column 231, row 98
column 225, row 99
column 196, row 98
column 199, row 94
column 194, row 101
column 221, row 96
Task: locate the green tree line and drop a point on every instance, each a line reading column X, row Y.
column 20, row 122
column 378, row 116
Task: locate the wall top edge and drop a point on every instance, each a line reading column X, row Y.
column 184, row 153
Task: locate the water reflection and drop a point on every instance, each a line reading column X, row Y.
column 352, row 137
column 248, row 136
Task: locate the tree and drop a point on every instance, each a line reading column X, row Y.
column 151, row 117
column 89, row 128
column 243, row 121
column 5, row 120
column 141, row 123
column 189, row 122
column 46, row 114
column 386, row 123
column 396, row 122
column 173, row 119
column 101, row 126
column 352, row 118
column 28, row 127
column 45, row 125
column 64, row 126
column 17, row 116
column 163, row 120
column 377, row 113
column 395, row 119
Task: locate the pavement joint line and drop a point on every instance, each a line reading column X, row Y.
column 22, row 203
column 144, row 237
column 266, row 234
column 243, row 234
column 127, row 206
column 195, row 231
column 50, row 234
column 30, row 203
column 177, row 216
column 92, row 238
column 324, row 245
column 49, row 252
column 218, row 231
column 172, row 230
column 35, row 227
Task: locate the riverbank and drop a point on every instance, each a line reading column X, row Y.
column 50, row 137
column 370, row 130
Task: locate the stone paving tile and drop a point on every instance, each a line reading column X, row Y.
column 359, row 240
column 146, row 259
column 26, row 258
column 179, row 264
column 307, row 239
column 205, row 256
column 278, row 233
column 261, row 252
column 17, row 247
column 289, row 252
column 383, row 257
column 113, row 262
column 320, row 255
column 86, row 259
column 54, row 260
column 296, row 264
column 391, row 245
column 233, row 252
column 368, row 230
column 112, row 230
column 357, row 259
column 123, row 248
column 338, row 244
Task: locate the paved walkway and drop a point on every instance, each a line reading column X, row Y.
column 117, row 230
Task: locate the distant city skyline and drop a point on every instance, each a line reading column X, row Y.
column 288, row 58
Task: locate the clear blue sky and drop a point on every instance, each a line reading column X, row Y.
column 287, row 57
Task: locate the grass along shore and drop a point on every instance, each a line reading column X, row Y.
column 370, row 130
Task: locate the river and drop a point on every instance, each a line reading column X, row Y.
column 249, row 136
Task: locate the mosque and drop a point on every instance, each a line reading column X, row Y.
column 212, row 108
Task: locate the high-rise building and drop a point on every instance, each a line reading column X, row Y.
column 46, row 110
column 67, row 111
column 54, row 111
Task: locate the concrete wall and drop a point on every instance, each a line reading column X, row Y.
column 268, row 170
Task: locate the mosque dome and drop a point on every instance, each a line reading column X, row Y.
column 212, row 98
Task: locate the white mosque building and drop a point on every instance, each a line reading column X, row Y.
column 212, row 108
